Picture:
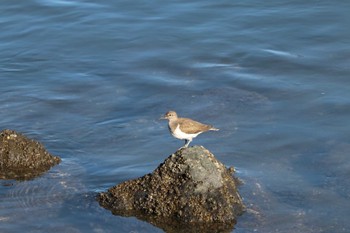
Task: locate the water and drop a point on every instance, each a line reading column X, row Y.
column 91, row 79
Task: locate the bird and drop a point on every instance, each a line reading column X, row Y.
column 185, row 128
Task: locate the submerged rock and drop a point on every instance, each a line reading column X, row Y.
column 23, row 158
column 191, row 189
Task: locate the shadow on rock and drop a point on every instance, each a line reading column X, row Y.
column 22, row 158
column 191, row 191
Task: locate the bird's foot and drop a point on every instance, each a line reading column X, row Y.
column 183, row 147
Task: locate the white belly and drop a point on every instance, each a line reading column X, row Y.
column 181, row 135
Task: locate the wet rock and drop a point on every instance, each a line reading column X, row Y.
column 23, row 158
column 190, row 190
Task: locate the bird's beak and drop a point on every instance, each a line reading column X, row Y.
column 162, row 118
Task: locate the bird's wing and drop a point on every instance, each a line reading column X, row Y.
column 193, row 127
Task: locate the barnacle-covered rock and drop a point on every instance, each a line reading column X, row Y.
column 23, row 158
column 190, row 190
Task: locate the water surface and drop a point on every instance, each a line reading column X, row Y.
column 90, row 79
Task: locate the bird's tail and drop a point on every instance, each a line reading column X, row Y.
column 214, row 129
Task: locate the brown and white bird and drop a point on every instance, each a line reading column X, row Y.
column 185, row 128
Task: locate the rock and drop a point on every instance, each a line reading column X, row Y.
column 22, row 158
column 190, row 190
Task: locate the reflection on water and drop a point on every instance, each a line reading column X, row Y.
column 90, row 80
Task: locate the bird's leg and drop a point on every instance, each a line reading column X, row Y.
column 187, row 142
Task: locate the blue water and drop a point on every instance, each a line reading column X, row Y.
column 90, row 79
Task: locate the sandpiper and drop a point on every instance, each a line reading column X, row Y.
column 185, row 128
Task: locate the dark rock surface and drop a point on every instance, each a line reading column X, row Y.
column 23, row 158
column 190, row 191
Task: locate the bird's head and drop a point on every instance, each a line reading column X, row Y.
column 169, row 115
